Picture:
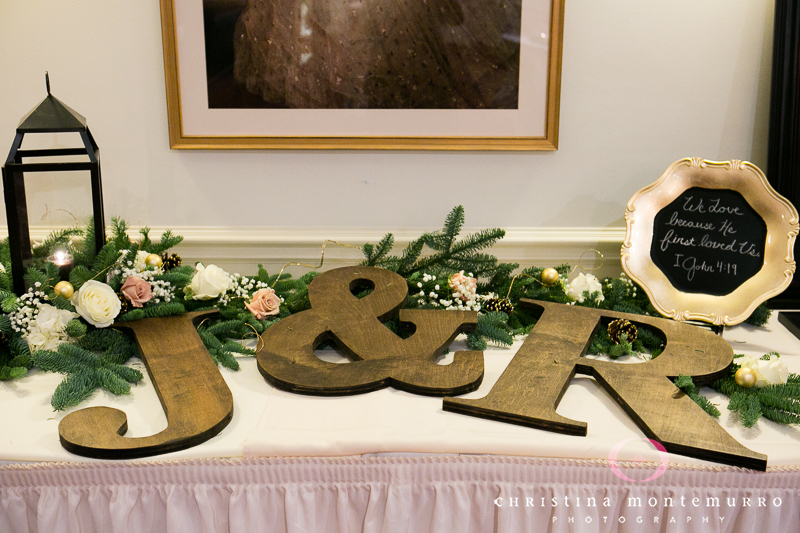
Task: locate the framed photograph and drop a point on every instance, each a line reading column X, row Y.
column 710, row 241
column 352, row 74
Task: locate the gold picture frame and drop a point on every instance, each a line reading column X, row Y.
column 533, row 125
column 749, row 181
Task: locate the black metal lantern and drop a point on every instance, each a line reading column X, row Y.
column 50, row 116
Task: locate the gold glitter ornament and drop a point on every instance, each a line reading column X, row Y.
column 745, row 377
column 549, row 276
column 620, row 326
column 498, row 304
column 153, row 260
column 64, row 289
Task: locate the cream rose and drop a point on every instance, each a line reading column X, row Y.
column 264, row 303
column 209, row 282
column 138, row 262
column 47, row 331
column 97, row 303
column 772, row 372
column 584, row 282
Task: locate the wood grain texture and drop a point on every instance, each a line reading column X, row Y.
column 530, row 389
column 197, row 401
column 379, row 357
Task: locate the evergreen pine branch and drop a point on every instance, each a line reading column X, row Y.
column 74, row 389
column 227, row 360
column 164, row 309
column 51, row 361
column 225, row 329
column 781, row 417
column 105, row 259
column 5, row 325
column 168, row 240
column 133, row 314
column 33, row 276
column 475, row 341
column 783, row 404
column 57, row 239
column 494, row 327
column 374, row 255
column 62, row 303
column 178, row 279
column 84, row 254
column 75, row 328
column 131, row 375
column 112, row 382
column 760, row 316
column 233, row 346
column 210, row 341
column 10, row 304
column 114, row 346
column 145, row 243
column 747, row 406
column 18, row 346
column 80, row 275
column 119, row 232
column 53, row 277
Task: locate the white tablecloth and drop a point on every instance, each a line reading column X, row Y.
column 421, row 490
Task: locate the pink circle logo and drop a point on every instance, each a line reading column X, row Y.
column 663, row 460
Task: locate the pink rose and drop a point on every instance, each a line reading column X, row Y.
column 136, row 291
column 463, row 287
column 264, row 303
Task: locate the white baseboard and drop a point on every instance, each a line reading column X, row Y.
column 241, row 249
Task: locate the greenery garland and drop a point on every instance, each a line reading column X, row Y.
column 442, row 271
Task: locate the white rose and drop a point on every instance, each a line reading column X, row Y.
column 47, row 330
column 209, row 282
column 772, row 372
column 584, row 282
column 97, row 303
column 138, row 262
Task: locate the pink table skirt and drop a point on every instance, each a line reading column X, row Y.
column 408, row 494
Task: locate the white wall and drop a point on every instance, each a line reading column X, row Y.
column 644, row 83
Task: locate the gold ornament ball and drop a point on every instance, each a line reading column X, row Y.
column 745, row 377
column 153, row 260
column 549, row 276
column 64, row 289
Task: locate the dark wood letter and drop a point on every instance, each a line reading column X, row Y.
column 195, row 398
column 529, row 390
column 380, row 358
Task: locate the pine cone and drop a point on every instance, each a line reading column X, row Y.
column 619, row 327
column 170, row 261
column 498, row 304
column 125, row 305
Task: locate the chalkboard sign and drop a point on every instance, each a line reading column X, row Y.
column 710, row 241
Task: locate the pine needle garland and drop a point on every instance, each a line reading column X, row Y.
column 779, row 403
column 95, row 362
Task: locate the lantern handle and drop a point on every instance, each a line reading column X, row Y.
column 47, row 81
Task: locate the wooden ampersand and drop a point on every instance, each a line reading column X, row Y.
column 530, row 389
column 195, row 397
column 379, row 357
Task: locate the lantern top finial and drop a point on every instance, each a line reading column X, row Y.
column 51, row 115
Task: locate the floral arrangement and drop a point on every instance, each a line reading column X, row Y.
column 66, row 326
